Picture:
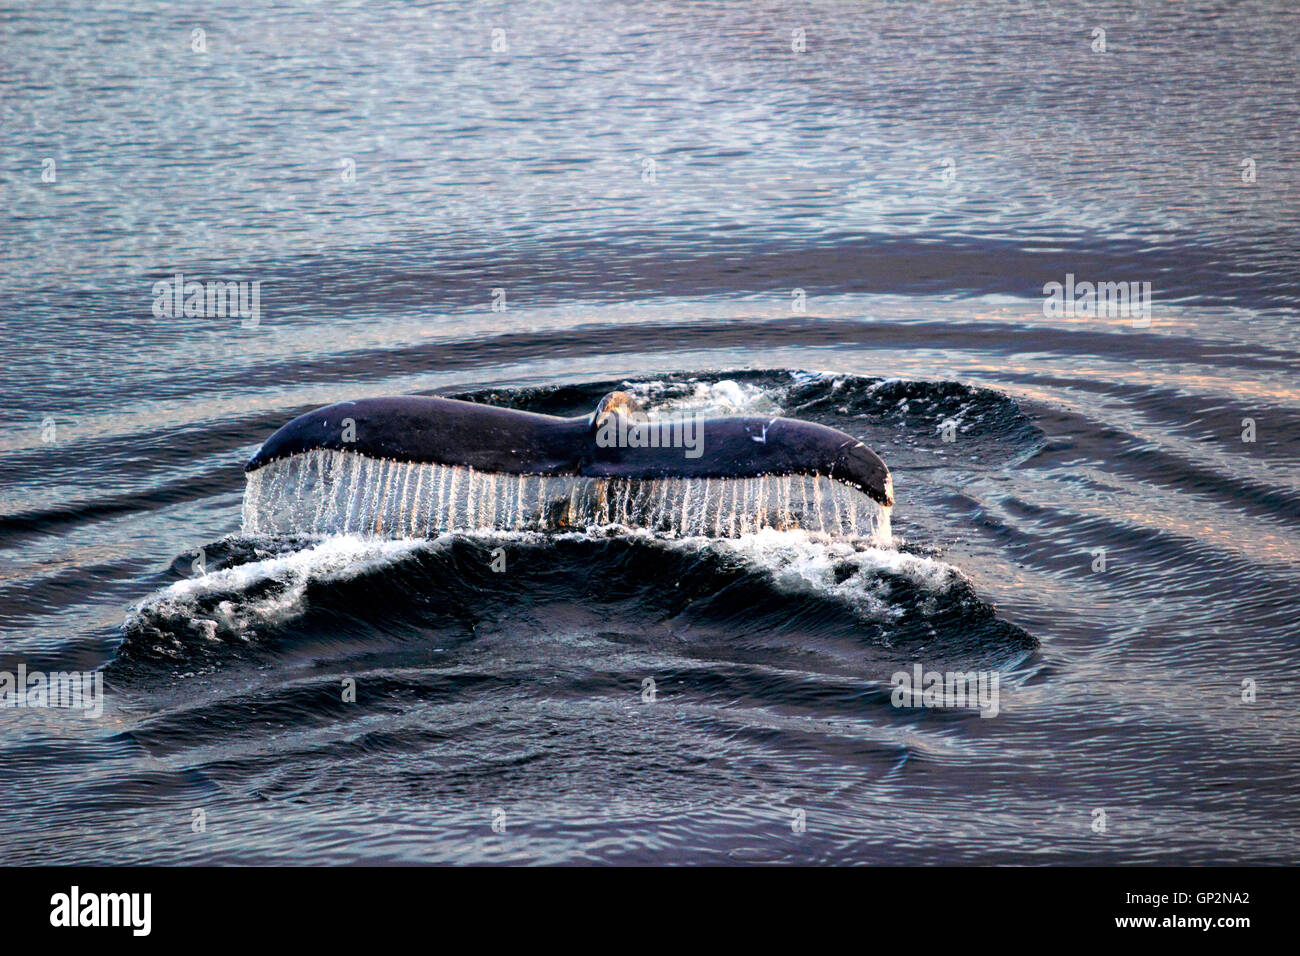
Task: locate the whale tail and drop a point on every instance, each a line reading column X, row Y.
column 420, row 467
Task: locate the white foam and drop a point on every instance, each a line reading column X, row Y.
column 273, row 590
column 332, row 559
column 808, row 562
column 707, row 399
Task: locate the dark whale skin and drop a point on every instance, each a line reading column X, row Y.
column 488, row 438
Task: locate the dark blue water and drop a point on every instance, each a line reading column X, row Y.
column 656, row 190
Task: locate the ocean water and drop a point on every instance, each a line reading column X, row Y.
column 842, row 212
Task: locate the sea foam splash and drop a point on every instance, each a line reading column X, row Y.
column 237, row 601
column 327, row 491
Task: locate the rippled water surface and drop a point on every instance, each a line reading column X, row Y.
column 665, row 198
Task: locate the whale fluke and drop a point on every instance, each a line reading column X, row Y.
column 419, row 466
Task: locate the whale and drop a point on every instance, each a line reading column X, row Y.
column 417, row 465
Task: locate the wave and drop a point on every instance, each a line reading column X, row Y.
column 790, row 596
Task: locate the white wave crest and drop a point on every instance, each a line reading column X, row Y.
column 707, row 399
column 249, row 604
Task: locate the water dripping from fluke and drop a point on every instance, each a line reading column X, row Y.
column 326, row 491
